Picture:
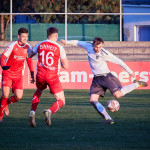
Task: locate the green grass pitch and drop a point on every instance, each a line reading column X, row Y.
column 78, row 126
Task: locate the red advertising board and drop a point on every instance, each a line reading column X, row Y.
column 79, row 75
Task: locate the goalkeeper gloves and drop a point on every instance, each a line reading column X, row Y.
column 5, row 67
column 32, row 77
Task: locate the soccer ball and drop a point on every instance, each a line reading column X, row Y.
column 113, row 105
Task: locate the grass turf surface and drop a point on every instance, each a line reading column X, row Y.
column 77, row 125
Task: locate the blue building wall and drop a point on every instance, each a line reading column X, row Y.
column 131, row 23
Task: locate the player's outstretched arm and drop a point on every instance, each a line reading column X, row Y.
column 82, row 44
column 63, row 41
column 64, row 63
column 31, row 54
column 114, row 59
column 71, row 42
column 30, row 65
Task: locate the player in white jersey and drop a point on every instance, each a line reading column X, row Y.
column 103, row 79
column 50, row 54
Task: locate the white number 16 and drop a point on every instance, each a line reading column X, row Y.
column 47, row 58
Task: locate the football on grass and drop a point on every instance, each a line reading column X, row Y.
column 113, row 105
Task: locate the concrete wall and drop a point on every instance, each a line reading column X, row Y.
column 127, row 51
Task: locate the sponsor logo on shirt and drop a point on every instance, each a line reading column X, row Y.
column 19, row 57
column 48, row 67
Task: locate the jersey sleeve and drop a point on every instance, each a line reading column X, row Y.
column 2, row 61
column 112, row 58
column 29, row 49
column 79, row 43
column 83, row 44
column 8, row 50
column 35, row 49
column 72, row 42
column 6, row 53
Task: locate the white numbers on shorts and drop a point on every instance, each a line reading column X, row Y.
column 49, row 56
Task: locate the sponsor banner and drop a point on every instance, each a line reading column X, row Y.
column 79, row 75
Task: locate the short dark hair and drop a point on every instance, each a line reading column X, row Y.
column 97, row 40
column 22, row 30
column 51, row 30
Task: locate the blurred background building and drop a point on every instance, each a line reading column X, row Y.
column 119, row 20
column 136, row 27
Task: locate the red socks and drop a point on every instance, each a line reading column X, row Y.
column 56, row 106
column 12, row 99
column 35, row 100
column 6, row 101
column 3, row 103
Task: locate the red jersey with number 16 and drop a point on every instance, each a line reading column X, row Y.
column 49, row 55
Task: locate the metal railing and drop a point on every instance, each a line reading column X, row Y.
column 66, row 14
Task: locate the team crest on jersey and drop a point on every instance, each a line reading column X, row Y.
column 16, row 49
column 97, row 56
column 25, row 51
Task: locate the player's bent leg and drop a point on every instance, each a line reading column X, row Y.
column 141, row 83
column 118, row 94
column 36, row 99
column 47, row 113
column 35, row 102
column 128, row 88
column 32, row 119
column 11, row 100
column 5, row 91
column 6, row 111
column 60, row 102
column 3, row 104
column 18, row 93
column 5, row 94
column 60, row 96
column 53, row 109
column 100, row 109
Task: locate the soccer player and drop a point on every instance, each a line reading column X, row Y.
column 12, row 63
column 103, row 79
column 51, row 56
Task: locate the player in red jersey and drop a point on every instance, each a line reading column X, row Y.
column 12, row 63
column 51, row 56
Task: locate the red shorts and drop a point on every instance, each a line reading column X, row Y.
column 15, row 83
column 53, row 83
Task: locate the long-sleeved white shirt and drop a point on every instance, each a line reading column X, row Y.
column 98, row 61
